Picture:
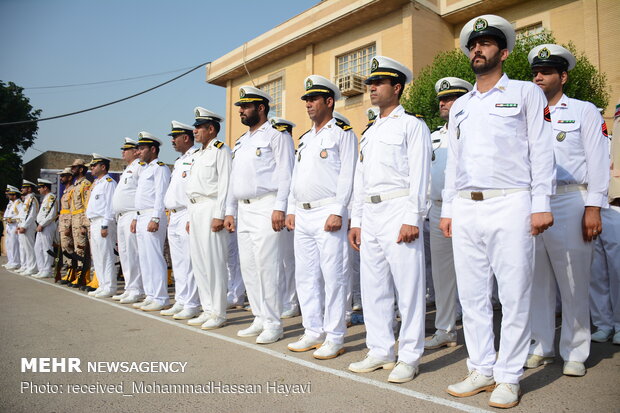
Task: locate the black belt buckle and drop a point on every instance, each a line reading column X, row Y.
column 245, row 201
column 375, row 199
column 138, row 212
column 477, row 196
column 192, row 200
column 307, row 205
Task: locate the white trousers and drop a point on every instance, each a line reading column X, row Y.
column 209, row 251
column 494, row 236
column 605, row 282
column 129, row 255
column 26, row 250
column 562, row 256
column 428, row 269
column 12, row 246
column 102, row 251
column 321, row 274
column 45, row 241
column 444, row 274
column 388, row 269
column 236, row 288
column 260, row 255
column 288, row 291
column 185, row 288
column 153, row 266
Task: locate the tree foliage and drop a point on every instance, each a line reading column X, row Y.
column 585, row 82
column 14, row 139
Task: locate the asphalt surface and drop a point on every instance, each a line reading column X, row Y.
column 43, row 320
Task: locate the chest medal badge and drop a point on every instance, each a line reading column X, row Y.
column 258, row 152
column 323, row 154
column 561, row 136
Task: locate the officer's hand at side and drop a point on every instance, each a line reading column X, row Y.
column 290, row 222
column 591, row 223
column 229, row 223
column 217, row 225
column 355, row 238
column 104, row 233
column 408, row 233
column 132, row 227
column 84, row 230
column 68, row 232
column 541, row 221
column 333, row 223
column 152, row 226
column 277, row 220
column 187, row 227
column 445, row 225
column 39, row 228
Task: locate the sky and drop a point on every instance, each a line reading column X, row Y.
column 64, row 42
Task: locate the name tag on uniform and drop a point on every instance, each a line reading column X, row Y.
column 506, row 105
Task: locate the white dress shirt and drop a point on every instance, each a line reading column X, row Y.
column 100, row 201
column 152, row 185
column 175, row 197
column 395, row 154
column 48, row 211
column 500, row 140
column 581, row 150
column 262, row 164
column 324, row 167
column 439, row 140
column 125, row 193
column 28, row 213
column 210, row 174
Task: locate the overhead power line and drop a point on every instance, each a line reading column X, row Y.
column 106, row 81
column 106, row 104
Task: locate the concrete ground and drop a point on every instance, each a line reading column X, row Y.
column 42, row 319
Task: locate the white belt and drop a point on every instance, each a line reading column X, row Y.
column 316, row 204
column 175, row 210
column 120, row 214
column 562, row 189
column 198, row 199
column 375, row 199
column 489, row 193
column 145, row 211
column 258, row 198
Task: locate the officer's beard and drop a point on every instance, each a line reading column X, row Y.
column 251, row 120
column 488, row 65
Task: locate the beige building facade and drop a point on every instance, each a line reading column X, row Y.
column 338, row 38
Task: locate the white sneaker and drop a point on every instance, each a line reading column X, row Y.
column 402, row 373
column 616, row 339
column 104, row 294
column 119, row 297
column 200, row 320
column 505, row 396
column 474, row 383
column 328, row 350
column 441, row 338
column 370, row 364
column 31, row 272
column 132, row 299
column 357, row 305
column 94, row 293
column 248, row 308
column 141, row 304
column 154, row 306
column 534, row 360
column 305, row 343
column 37, row 275
column 187, row 313
column 291, row 312
column 213, row 323
column 269, row 336
column 11, row 267
column 44, row 275
column 574, row 368
column 176, row 308
column 253, row 330
column 601, row 336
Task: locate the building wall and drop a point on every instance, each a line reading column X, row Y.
column 55, row 160
column 413, row 33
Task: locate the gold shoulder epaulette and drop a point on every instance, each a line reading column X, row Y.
column 279, row 128
column 160, row 163
column 109, row 179
column 141, row 163
column 218, row 144
column 343, row 125
column 417, row 115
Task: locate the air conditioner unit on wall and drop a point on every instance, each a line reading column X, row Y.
column 351, row 84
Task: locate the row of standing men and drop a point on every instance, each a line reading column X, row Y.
column 519, row 175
